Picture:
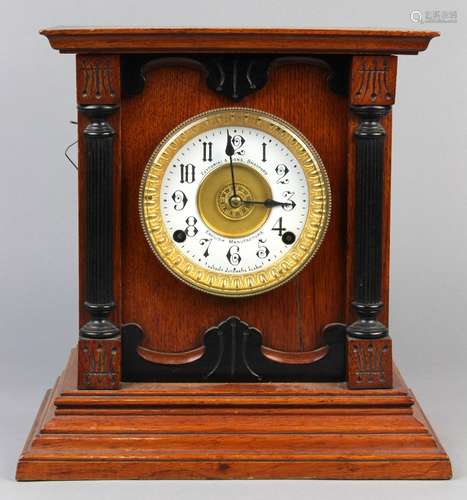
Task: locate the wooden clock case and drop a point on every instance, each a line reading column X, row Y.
column 169, row 382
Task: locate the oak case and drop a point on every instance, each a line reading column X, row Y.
column 330, row 403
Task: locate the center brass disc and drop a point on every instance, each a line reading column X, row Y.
column 231, row 205
column 227, row 214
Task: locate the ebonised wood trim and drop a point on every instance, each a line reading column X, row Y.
column 99, row 300
column 233, row 353
column 233, row 75
column 367, row 273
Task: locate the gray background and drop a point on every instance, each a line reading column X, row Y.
column 38, row 256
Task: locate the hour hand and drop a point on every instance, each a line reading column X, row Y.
column 268, row 203
column 229, row 149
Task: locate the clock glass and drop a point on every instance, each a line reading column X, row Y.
column 235, row 201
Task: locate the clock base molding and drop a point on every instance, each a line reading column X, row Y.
column 230, row 431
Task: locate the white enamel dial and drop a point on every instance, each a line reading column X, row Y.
column 254, row 149
column 235, row 201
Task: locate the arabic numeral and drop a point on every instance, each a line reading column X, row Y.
column 279, row 227
column 282, row 170
column 233, row 255
column 263, row 251
column 206, row 243
column 237, row 143
column 191, row 229
column 288, row 195
column 179, row 199
column 187, row 173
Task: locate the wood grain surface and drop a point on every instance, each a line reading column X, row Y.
column 174, row 316
column 230, row 431
column 140, row 40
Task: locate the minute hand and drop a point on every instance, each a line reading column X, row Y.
column 230, row 151
column 267, row 203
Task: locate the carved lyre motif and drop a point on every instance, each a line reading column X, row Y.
column 97, row 80
column 234, row 357
column 374, row 79
column 236, row 77
column 370, row 361
column 100, row 364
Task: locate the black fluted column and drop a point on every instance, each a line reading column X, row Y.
column 369, row 183
column 99, row 299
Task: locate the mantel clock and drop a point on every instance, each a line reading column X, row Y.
column 234, row 199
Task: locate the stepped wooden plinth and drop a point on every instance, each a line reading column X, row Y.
column 230, row 431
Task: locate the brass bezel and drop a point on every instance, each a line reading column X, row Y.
column 253, row 283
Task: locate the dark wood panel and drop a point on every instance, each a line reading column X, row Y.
column 174, row 316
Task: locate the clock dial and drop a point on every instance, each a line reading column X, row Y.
column 235, row 202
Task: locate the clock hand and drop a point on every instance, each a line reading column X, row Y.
column 268, row 203
column 229, row 151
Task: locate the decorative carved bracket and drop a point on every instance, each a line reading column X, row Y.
column 233, row 75
column 373, row 80
column 99, row 363
column 98, row 79
column 369, row 363
column 236, row 76
column 233, row 352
